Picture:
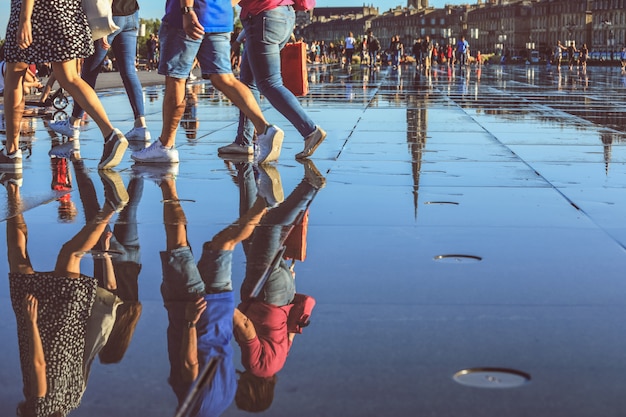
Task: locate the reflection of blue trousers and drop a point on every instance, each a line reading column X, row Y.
column 266, row 242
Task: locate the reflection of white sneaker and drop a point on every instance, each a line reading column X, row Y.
column 270, row 143
column 65, row 150
column 65, row 128
column 269, row 185
column 156, row 153
column 156, row 172
column 138, row 133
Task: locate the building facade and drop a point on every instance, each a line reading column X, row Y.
column 509, row 27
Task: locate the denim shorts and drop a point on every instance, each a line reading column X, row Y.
column 181, row 279
column 178, row 52
column 215, row 268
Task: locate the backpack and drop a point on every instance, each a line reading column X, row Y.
column 303, row 5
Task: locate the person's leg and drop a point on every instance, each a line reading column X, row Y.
column 178, row 53
column 90, row 70
column 14, row 103
column 125, row 50
column 82, row 94
column 17, row 235
column 173, row 109
column 68, row 260
column 245, row 128
column 266, row 34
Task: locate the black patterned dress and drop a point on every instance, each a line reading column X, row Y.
column 64, row 305
column 60, row 32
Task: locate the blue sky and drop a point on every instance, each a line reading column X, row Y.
column 151, row 9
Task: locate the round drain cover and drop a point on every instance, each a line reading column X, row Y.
column 458, row 258
column 491, row 378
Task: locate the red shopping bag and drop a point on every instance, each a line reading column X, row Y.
column 293, row 68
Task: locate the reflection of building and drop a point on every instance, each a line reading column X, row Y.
column 417, row 127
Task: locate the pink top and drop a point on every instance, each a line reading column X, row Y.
column 254, row 7
column 266, row 354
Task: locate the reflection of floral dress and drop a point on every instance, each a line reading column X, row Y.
column 60, row 32
column 64, row 307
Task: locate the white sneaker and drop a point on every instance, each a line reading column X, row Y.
column 236, row 149
column 138, row 133
column 65, row 150
column 156, row 153
column 269, row 143
column 65, row 128
column 311, row 143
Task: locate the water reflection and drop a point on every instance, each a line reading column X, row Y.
column 199, row 297
column 58, row 337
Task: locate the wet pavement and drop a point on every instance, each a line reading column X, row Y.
column 466, row 254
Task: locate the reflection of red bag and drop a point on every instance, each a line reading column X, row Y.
column 300, row 314
column 293, row 68
column 295, row 244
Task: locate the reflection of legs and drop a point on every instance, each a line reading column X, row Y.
column 266, row 243
column 68, row 262
column 17, row 236
column 181, row 280
column 216, row 259
column 125, row 229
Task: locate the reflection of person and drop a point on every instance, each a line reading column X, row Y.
column 261, row 322
column 200, row 303
column 116, row 274
column 190, row 121
column 51, row 309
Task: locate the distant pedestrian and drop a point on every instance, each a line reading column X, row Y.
column 584, row 54
column 373, row 46
column 462, row 51
column 571, row 51
column 349, row 44
column 558, row 53
column 623, row 58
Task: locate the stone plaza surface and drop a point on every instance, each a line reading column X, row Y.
column 467, row 253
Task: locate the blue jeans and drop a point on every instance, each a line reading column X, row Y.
column 124, row 44
column 267, row 240
column 266, row 34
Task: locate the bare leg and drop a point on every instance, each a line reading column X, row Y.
column 173, row 217
column 17, row 236
column 68, row 263
column 84, row 95
column 241, row 97
column 14, row 102
column 173, row 109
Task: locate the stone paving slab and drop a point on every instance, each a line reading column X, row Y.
column 471, row 220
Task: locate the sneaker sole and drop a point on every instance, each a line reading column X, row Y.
column 248, row 151
column 277, row 143
column 303, row 155
column 116, row 155
column 153, row 161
